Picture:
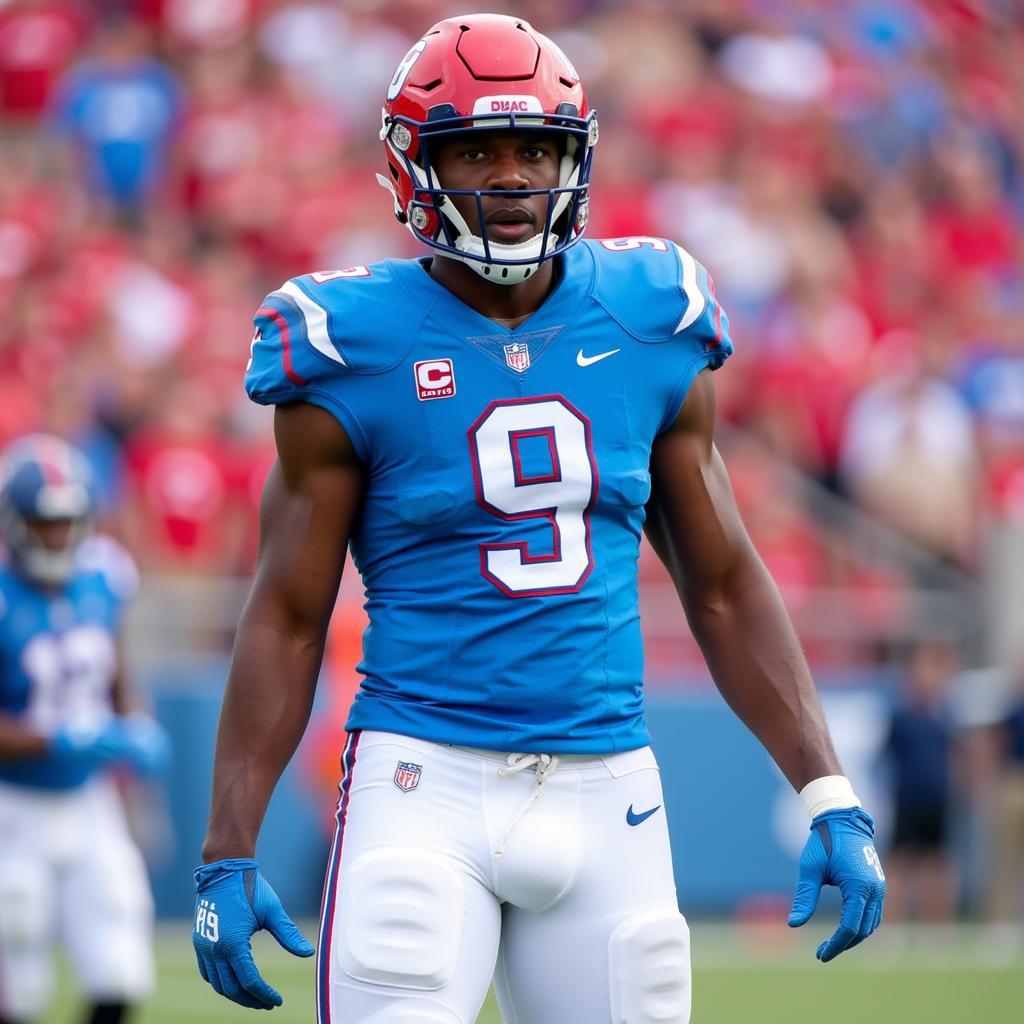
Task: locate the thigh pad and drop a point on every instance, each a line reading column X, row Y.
column 400, row 913
column 649, row 955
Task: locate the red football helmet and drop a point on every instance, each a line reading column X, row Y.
column 480, row 73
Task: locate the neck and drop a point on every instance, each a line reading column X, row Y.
column 506, row 304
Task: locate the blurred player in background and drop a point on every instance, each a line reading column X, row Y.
column 491, row 429
column 920, row 753
column 69, row 870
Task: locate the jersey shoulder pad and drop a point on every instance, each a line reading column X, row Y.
column 110, row 564
column 318, row 327
column 658, row 292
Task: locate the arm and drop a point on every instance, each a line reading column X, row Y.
column 732, row 604
column 309, row 505
column 19, row 740
column 739, row 621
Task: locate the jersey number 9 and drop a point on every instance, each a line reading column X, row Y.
column 563, row 493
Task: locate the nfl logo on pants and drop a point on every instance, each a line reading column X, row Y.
column 407, row 775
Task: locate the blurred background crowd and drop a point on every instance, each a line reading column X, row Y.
column 852, row 175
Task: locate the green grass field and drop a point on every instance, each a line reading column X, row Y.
column 765, row 975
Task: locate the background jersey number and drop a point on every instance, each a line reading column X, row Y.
column 563, row 493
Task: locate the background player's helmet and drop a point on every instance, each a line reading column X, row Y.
column 44, row 479
column 478, row 73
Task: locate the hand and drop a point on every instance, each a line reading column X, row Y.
column 841, row 852
column 82, row 751
column 233, row 900
column 147, row 748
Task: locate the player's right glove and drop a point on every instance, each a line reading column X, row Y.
column 233, row 901
column 81, row 751
column 841, row 851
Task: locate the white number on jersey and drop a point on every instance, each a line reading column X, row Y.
column 71, row 675
column 628, row 244
column 564, row 495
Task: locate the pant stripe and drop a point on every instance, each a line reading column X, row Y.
column 327, row 903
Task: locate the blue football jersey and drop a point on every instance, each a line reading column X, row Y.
column 508, row 472
column 58, row 660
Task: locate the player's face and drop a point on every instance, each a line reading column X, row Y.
column 52, row 534
column 505, row 161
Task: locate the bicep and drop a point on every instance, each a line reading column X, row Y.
column 693, row 522
column 309, row 505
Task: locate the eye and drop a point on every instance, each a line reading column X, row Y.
column 539, row 151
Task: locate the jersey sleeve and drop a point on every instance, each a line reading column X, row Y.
column 293, row 358
column 703, row 323
column 702, row 332
column 113, row 564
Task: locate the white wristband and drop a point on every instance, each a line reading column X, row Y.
column 828, row 793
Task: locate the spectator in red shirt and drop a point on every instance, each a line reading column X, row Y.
column 182, row 511
column 974, row 227
column 38, row 41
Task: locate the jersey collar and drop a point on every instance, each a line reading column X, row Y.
column 562, row 306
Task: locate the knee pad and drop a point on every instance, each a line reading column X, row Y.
column 115, row 883
column 26, row 972
column 108, row 931
column 129, row 976
column 649, row 956
column 400, row 918
column 26, row 899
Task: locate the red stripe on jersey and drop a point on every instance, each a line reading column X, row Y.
column 286, row 345
column 718, row 312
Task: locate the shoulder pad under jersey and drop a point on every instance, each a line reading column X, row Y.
column 655, row 290
column 101, row 555
column 315, row 327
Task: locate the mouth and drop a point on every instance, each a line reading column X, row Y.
column 510, row 224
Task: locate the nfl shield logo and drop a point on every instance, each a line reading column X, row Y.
column 407, row 775
column 517, row 355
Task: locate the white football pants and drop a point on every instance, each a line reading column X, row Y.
column 69, row 871
column 452, row 867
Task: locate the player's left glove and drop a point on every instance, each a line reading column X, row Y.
column 840, row 851
column 233, row 901
column 147, row 748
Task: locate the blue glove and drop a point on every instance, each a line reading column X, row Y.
column 233, row 900
column 841, row 852
column 147, row 748
column 82, row 751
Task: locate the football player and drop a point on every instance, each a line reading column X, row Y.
column 491, row 429
column 68, row 867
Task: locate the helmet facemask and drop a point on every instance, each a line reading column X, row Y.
column 44, row 481
column 47, row 566
column 433, row 217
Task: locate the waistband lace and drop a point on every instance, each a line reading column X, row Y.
column 544, row 764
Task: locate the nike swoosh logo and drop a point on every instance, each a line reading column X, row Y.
column 635, row 819
column 582, row 360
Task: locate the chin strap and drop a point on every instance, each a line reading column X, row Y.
column 471, row 248
column 497, row 270
column 399, row 212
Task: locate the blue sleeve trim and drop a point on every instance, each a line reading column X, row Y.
column 314, row 396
